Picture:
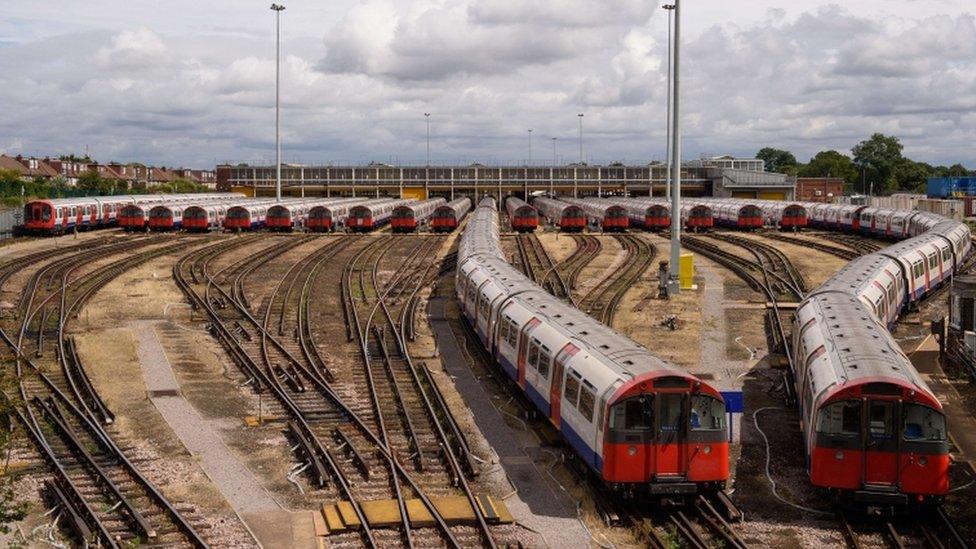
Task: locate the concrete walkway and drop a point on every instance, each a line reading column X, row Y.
column 538, row 505
column 962, row 425
column 241, row 489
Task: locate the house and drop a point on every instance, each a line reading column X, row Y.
column 28, row 167
column 158, row 176
column 70, row 170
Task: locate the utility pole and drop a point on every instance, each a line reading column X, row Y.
column 553, row 151
column 580, row 116
column 530, row 146
column 427, row 116
column 278, row 8
column 667, row 186
column 674, row 284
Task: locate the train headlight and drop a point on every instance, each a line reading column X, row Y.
column 707, row 450
column 839, row 455
column 631, row 450
column 922, row 461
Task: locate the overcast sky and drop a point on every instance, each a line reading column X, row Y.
column 191, row 83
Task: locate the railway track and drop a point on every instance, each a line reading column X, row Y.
column 538, row 265
column 859, row 244
column 786, row 278
column 603, row 299
column 927, row 528
column 837, row 251
column 102, row 495
column 382, row 431
column 769, row 273
column 587, row 248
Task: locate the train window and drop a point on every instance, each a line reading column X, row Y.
column 671, row 412
column 571, row 394
column 921, row 424
column 503, row 330
column 707, row 413
column 933, row 261
column 947, row 255
column 586, row 401
column 918, row 269
column 634, row 414
column 513, row 332
column 544, row 360
column 840, row 418
column 879, row 419
column 533, row 354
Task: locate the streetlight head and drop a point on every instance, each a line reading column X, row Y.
column 426, row 114
column 580, row 115
column 668, row 6
column 277, row 7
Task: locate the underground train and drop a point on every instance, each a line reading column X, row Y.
column 59, row 215
column 371, row 215
column 326, row 218
column 648, row 216
column 448, row 216
column 641, row 425
column 607, row 214
column 568, row 217
column 521, row 216
column 874, row 431
column 288, row 216
column 406, row 218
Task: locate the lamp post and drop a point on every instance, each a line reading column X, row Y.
column 530, row 146
column 580, row 116
column 667, row 186
column 553, row 151
column 277, row 8
column 674, row 284
column 427, row 116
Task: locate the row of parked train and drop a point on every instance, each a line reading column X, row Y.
column 234, row 212
column 614, row 214
column 874, row 432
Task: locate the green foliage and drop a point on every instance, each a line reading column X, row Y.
column 879, row 157
column 180, row 185
column 830, row 164
column 11, row 508
column 778, row 160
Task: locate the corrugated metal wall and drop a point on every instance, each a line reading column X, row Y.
column 8, row 220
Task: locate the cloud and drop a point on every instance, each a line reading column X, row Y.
column 807, row 76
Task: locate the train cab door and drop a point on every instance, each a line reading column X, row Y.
column 880, row 443
column 556, row 387
column 670, row 435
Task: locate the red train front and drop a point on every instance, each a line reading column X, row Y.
column 615, row 219
column 443, row 220
column 572, row 219
column 403, row 219
column 132, row 217
column 658, row 218
column 319, row 219
column 162, row 218
column 700, row 218
column 280, row 218
column 794, row 217
column 881, row 442
column 667, row 433
column 360, row 219
column 525, row 220
column 749, row 217
column 196, row 219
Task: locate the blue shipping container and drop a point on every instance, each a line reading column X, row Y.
column 951, row 187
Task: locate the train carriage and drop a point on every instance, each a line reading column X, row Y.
column 785, row 216
column 372, row 214
column 165, row 217
column 607, row 214
column 521, row 216
column 875, row 433
column 134, row 217
column 697, row 217
column 641, row 425
column 328, row 217
column 568, row 217
column 203, row 218
column 247, row 217
column 448, row 216
column 407, row 218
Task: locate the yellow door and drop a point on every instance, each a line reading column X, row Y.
column 246, row 191
column 743, row 194
column 772, row 195
column 414, row 193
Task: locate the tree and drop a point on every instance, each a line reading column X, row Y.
column 93, row 183
column 777, row 160
column 831, row 164
column 912, row 176
column 878, row 157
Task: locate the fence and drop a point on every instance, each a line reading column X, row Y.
column 8, row 220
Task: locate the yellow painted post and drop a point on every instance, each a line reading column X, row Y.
column 686, row 271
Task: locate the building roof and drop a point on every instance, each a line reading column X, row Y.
column 751, row 178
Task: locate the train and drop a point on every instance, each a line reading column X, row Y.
column 650, row 216
column 365, row 217
column 197, row 218
column 570, row 218
column 448, row 217
column 407, row 218
column 874, row 431
column 60, row 215
column 641, row 425
column 606, row 214
column 289, row 216
column 522, row 217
